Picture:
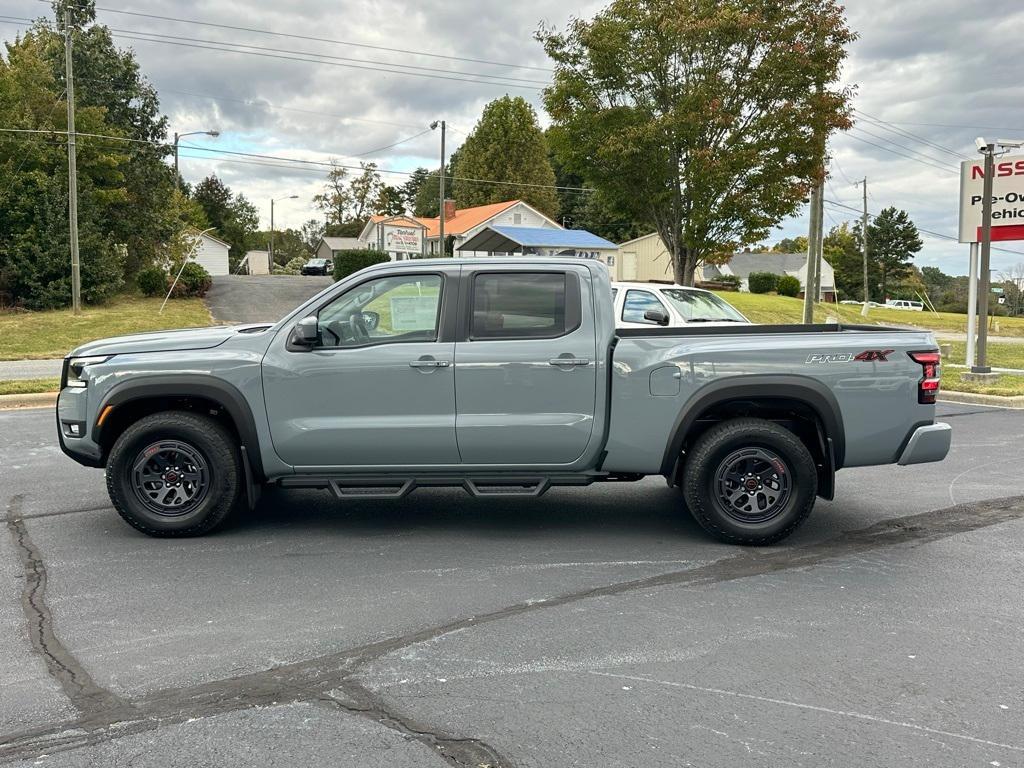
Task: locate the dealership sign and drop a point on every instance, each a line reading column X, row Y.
column 403, row 239
column 1007, row 199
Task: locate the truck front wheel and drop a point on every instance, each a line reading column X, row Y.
column 749, row 481
column 174, row 474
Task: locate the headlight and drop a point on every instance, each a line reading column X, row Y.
column 77, row 366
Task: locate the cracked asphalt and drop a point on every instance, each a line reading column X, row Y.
column 590, row 627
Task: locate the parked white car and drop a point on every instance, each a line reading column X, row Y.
column 913, row 306
column 679, row 306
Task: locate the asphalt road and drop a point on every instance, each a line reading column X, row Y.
column 259, row 298
column 590, row 627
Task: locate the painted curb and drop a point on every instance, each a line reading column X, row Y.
column 34, row 400
column 970, row 398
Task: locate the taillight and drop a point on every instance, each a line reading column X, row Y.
column 928, row 386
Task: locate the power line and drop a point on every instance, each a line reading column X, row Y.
column 940, row 235
column 311, row 38
column 326, row 59
column 279, row 158
column 922, row 155
column 886, row 126
column 901, row 154
column 162, row 37
column 321, row 61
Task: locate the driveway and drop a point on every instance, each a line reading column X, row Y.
column 595, row 627
column 260, row 298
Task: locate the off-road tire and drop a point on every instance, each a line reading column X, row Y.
column 222, row 464
column 708, row 456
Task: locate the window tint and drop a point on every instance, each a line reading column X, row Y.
column 638, row 302
column 388, row 309
column 518, row 305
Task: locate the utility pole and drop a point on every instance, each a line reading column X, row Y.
column 433, row 126
column 69, row 74
column 986, row 251
column 864, row 245
column 813, row 233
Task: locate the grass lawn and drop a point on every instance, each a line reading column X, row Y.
column 42, row 335
column 28, row 386
column 769, row 308
column 1000, row 355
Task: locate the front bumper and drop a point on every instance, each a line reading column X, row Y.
column 927, row 443
column 72, row 408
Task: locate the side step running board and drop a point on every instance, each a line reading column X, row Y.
column 383, row 487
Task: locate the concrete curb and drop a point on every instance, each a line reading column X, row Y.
column 970, row 398
column 34, row 400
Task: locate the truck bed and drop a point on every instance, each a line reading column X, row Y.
column 660, row 377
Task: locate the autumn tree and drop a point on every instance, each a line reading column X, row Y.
column 348, row 200
column 232, row 215
column 505, row 157
column 707, row 117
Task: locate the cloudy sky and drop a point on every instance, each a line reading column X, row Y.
column 930, row 75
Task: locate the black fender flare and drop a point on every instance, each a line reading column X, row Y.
column 764, row 388
column 184, row 385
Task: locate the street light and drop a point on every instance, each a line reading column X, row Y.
column 270, row 266
column 177, row 178
column 988, row 149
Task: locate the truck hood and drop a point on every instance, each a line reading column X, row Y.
column 166, row 341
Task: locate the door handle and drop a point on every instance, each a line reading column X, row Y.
column 429, row 363
column 569, row 361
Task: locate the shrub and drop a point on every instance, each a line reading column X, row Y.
column 194, row 281
column 152, row 281
column 293, row 267
column 731, row 282
column 787, row 285
column 347, row 262
column 762, row 282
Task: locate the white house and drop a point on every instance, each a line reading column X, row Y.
column 795, row 264
column 329, row 246
column 211, row 253
column 460, row 224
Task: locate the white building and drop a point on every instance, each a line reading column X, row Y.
column 328, row 247
column 211, row 253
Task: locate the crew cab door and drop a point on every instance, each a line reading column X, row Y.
column 525, row 365
column 377, row 389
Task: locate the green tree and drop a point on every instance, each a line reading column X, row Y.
column 410, row 191
column 892, row 243
column 233, row 216
column 348, row 202
column 110, row 79
column 34, row 243
column 427, row 202
column 508, row 146
column 312, row 231
column 389, row 201
column 841, row 248
column 707, row 117
column 796, row 244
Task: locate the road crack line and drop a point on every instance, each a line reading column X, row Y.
column 90, row 699
column 331, row 679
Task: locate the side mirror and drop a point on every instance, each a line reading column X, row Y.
column 305, row 332
column 656, row 316
column 371, row 320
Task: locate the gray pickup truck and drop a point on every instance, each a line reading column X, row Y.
column 499, row 376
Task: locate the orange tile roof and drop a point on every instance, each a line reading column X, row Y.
column 463, row 221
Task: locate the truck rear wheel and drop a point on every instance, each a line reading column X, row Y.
column 174, row 474
column 749, row 481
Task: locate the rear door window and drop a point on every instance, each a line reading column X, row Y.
column 524, row 305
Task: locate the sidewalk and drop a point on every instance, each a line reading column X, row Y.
column 30, row 369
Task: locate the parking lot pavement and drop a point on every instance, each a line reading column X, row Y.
column 260, row 298
column 594, row 626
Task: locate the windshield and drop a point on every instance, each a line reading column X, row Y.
column 701, row 306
